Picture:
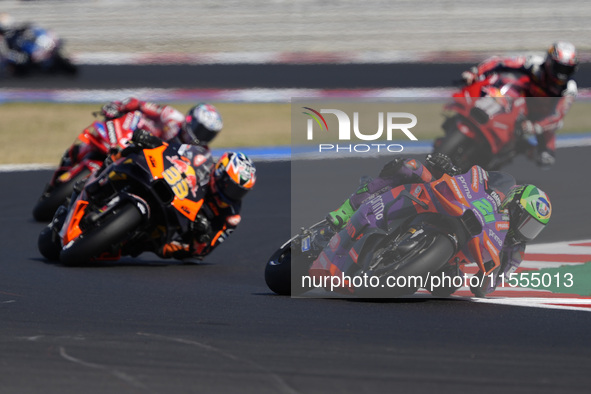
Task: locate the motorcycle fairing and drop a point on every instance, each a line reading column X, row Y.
column 449, row 197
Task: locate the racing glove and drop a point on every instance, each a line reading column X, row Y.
column 440, row 164
column 469, row 76
column 117, row 108
column 340, row 216
column 111, row 110
column 391, row 168
column 145, row 139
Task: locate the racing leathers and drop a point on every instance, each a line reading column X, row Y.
column 545, row 117
column 213, row 225
column 405, row 171
column 162, row 121
column 9, row 49
column 217, row 217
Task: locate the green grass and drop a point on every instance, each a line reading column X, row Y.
column 41, row 132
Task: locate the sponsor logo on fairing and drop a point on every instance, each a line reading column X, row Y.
column 465, row 186
column 377, row 206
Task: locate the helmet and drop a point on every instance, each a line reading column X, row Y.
column 561, row 63
column 233, row 176
column 6, row 21
column 202, row 123
column 529, row 211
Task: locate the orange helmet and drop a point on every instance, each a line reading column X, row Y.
column 233, row 176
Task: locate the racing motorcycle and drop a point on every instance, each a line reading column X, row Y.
column 101, row 137
column 396, row 242
column 135, row 204
column 482, row 125
column 43, row 48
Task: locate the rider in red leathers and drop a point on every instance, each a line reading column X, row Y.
column 198, row 127
column 550, row 76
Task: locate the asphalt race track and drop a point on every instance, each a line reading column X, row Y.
column 232, row 76
column 148, row 326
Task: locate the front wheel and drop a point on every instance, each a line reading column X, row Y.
column 53, row 197
column 103, row 237
column 49, row 244
column 284, row 271
column 278, row 271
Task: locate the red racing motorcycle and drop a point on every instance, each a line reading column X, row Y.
column 482, row 125
column 83, row 158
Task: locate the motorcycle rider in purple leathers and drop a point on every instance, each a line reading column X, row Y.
column 524, row 225
column 550, row 76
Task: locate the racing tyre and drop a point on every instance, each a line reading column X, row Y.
column 52, row 198
column 278, row 271
column 427, row 255
column 49, row 244
column 101, row 238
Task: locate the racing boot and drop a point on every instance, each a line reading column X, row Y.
column 337, row 218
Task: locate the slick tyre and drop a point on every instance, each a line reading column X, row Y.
column 284, row 272
column 434, row 252
column 101, row 238
column 278, row 271
column 49, row 201
column 49, row 244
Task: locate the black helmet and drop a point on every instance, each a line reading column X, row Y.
column 202, row 123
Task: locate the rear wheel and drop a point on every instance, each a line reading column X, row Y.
column 53, row 197
column 403, row 264
column 103, row 237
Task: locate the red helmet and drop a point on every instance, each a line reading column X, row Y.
column 561, row 62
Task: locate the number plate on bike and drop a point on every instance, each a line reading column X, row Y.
column 306, row 244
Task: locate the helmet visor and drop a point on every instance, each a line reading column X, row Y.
column 562, row 72
column 529, row 228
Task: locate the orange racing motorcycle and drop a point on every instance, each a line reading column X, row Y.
column 133, row 205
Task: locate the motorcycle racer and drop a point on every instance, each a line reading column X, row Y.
column 199, row 126
column 528, row 209
column 232, row 177
column 9, row 34
column 550, row 76
column 224, row 184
